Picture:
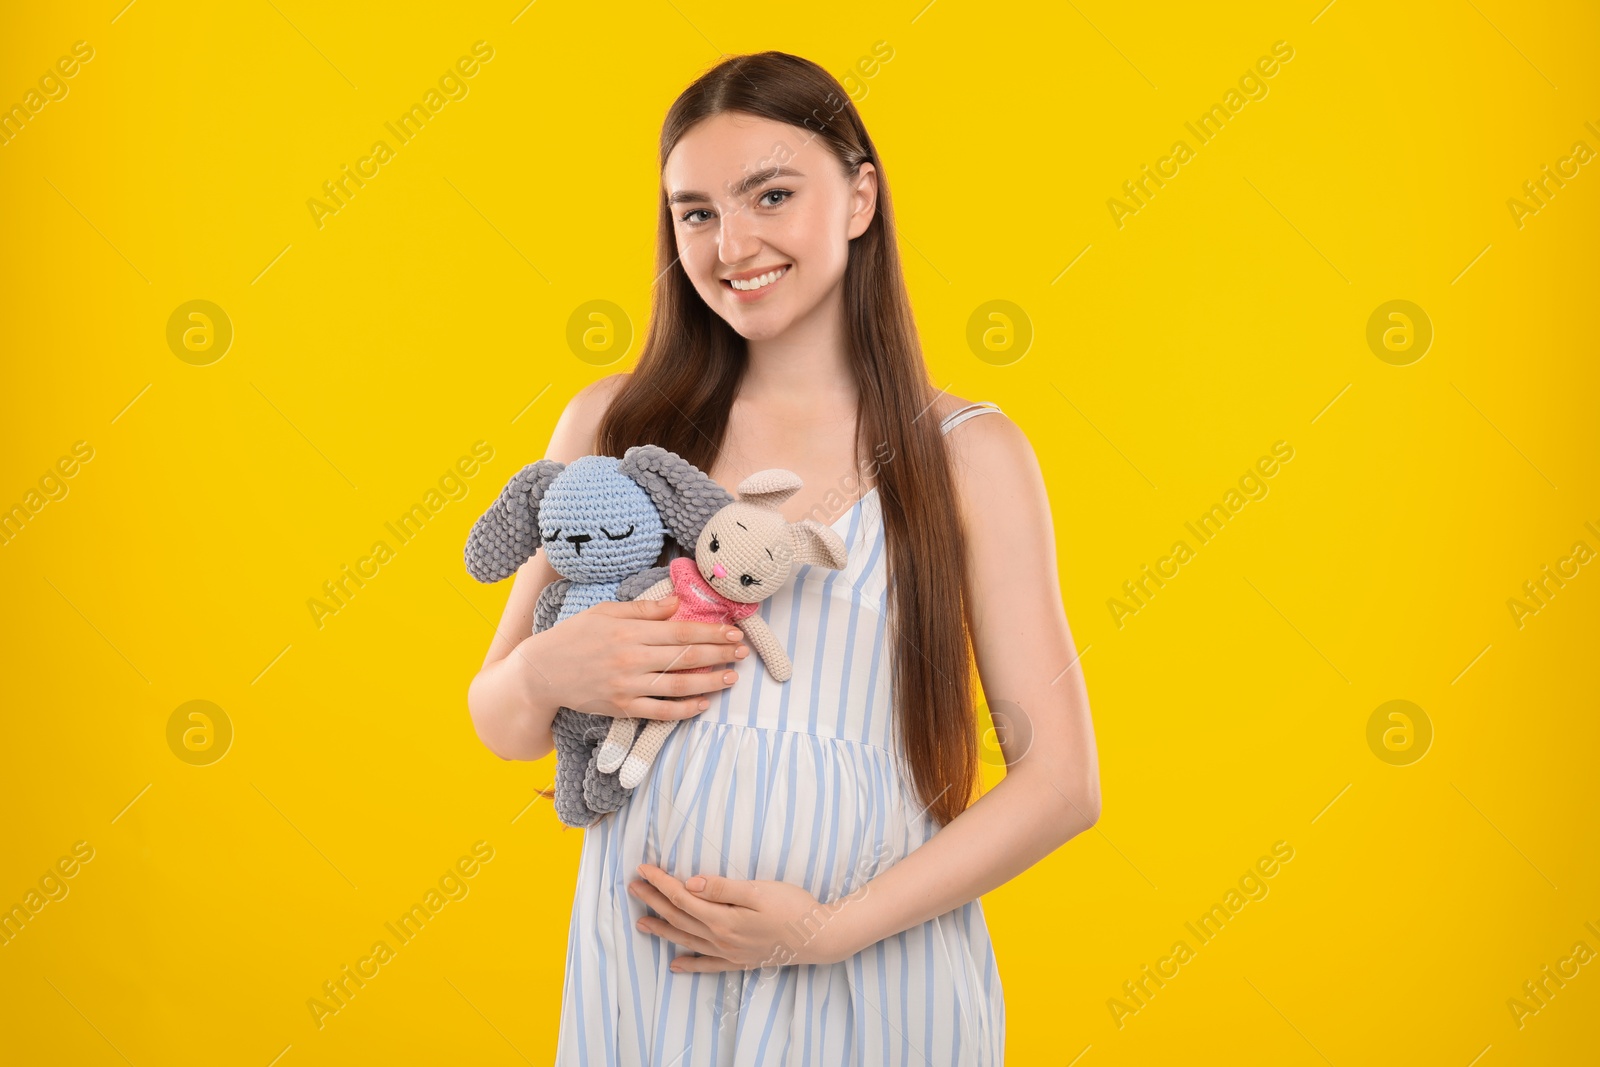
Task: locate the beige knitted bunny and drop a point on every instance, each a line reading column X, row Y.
column 744, row 554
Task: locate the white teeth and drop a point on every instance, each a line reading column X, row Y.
column 760, row 282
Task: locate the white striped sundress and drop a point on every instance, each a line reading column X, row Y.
column 801, row 782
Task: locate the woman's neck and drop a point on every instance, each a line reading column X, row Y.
column 802, row 371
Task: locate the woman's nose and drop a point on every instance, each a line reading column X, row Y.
column 737, row 241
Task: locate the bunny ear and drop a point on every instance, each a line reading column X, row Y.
column 769, row 488
column 508, row 533
column 684, row 496
column 819, row 544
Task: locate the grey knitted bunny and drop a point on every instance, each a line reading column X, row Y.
column 602, row 522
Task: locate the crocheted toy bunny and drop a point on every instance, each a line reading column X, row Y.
column 603, row 523
column 743, row 555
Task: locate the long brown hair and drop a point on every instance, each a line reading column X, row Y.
column 680, row 393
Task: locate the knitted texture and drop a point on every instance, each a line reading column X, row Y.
column 699, row 601
column 504, row 536
column 744, row 554
column 597, row 526
column 684, row 497
column 583, row 791
column 602, row 522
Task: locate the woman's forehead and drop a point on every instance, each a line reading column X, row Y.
column 724, row 149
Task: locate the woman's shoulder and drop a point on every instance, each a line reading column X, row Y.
column 596, row 397
column 946, row 404
column 578, row 425
column 983, row 431
column 992, row 453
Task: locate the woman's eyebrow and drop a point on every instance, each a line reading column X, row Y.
column 684, row 196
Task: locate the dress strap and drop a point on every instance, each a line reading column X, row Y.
column 957, row 417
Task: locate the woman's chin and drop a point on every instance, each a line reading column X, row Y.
column 759, row 326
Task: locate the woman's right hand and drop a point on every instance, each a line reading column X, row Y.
column 608, row 659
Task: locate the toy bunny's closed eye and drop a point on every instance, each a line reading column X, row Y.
column 746, row 552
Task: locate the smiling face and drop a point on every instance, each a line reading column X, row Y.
column 765, row 205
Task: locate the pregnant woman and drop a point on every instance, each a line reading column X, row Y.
column 796, row 879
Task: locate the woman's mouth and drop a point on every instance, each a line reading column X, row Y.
column 756, row 288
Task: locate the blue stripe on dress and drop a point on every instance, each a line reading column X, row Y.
column 633, row 969
column 793, row 596
column 575, row 968
column 753, row 711
column 857, row 1020
column 729, row 790
column 905, row 1000
column 789, row 813
column 762, row 789
column 818, row 661
column 927, row 970
column 766, row 1031
column 870, row 724
column 844, row 672
column 605, row 986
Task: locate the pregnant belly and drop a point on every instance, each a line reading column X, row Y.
column 748, row 802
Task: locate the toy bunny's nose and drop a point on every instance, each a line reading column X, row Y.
column 719, row 570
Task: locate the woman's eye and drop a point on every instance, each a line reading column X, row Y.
column 616, row 537
column 688, row 216
column 553, row 536
column 745, row 579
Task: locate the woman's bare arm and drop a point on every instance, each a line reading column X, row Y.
column 511, row 711
column 1030, row 676
column 572, row 438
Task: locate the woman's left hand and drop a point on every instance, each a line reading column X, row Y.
column 737, row 924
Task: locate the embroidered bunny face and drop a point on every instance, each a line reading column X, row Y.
column 596, row 524
column 748, row 549
column 745, row 552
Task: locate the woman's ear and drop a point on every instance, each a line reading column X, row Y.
column 819, row 544
column 507, row 534
column 863, row 199
column 684, row 496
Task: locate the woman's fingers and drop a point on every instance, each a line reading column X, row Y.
column 693, row 684
column 667, row 667
column 669, row 644
column 662, row 928
column 697, row 910
column 678, row 696
column 677, row 917
column 687, row 657
column 651, row 708
column 703, row 964
column 684, row 632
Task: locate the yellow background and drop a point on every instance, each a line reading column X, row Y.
column 432, row 310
